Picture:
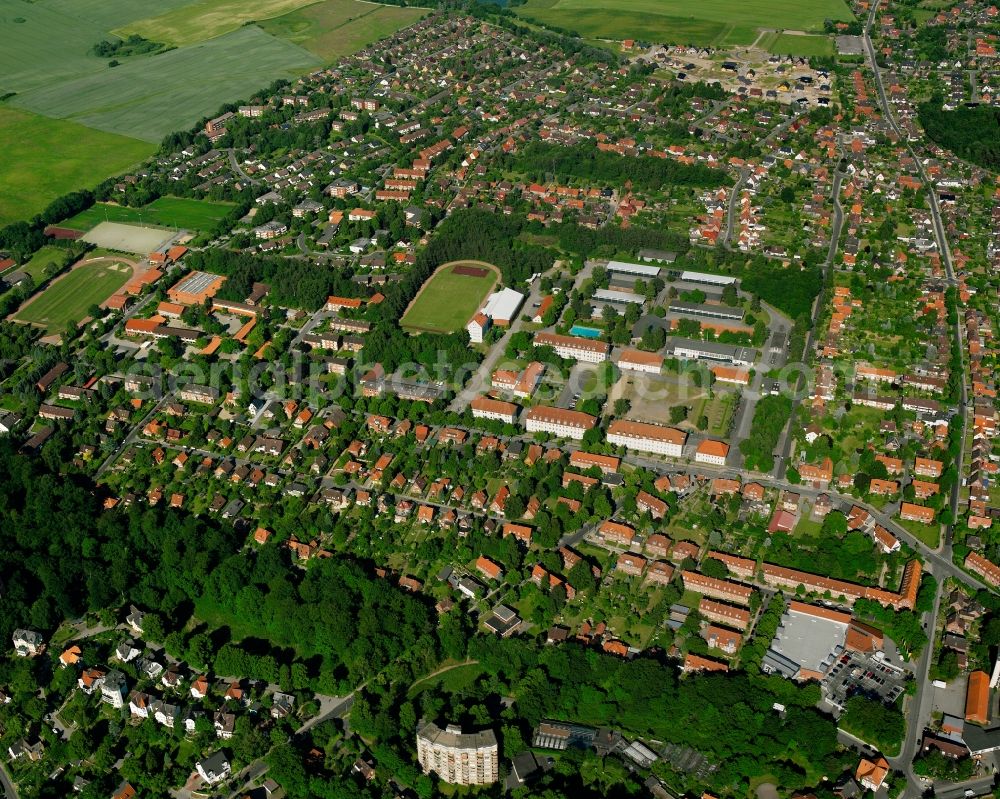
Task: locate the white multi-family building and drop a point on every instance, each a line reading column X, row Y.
column 580, row 349
column 558, row 421
column 647, row 437
column 486, row 408
column 459, row 758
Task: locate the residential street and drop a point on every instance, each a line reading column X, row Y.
column 5, row 782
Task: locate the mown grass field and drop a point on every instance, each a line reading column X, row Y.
column 457, row 678
column 45, row 158
column 708, row 22
column 171, row 212
column 334, row 28
column 206, row 19
column 69, row 297
column 42, row 258
column 796, row 45
column 447, row 301
column 152, row 96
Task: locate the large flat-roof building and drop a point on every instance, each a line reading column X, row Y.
column 707, row 310
column 456, row 757
column 602, row 296
column 195, row 287
column 693, row 350
column 502, row 306
column 708, row 279
column 633, row 270
column 808, row 641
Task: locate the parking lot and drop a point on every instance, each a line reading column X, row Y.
column 869, row 675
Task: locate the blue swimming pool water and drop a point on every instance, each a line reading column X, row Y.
column 585, row 332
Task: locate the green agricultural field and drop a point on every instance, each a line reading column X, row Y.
column 171, row 212
column 151, row 96
column 46, row 158
column 798, row 45
column 51, row 40
column 69, row 297
column 447, row 301
column 732, row 22
column 207, row 19
column 334, row 28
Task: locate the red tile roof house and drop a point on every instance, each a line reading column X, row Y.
column 698, row 663
column 782, row 521
column 916, row 513
column 728, row 641
column 926, row 467
column 658, row 545
column 616, row 533
column 714, row 452
column 986, row 569
column 521, row 532
column 488, row 568
column 718, row 589
column 724, row 614
column 647, row 503
column 630, row 564
column 659, row 572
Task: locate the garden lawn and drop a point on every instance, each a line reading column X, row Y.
column 68, row 298
column 929, row 534
column 46, row 158
column 447, row 301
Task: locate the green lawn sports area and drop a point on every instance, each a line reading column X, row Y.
column 151, row 96
column 448, row 300
column 46, row 158
column 708, row 22
column 334, row 28
column 68, row 298
column 171, row 212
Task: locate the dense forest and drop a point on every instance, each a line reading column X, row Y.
column 790, row 291
column 769, row 419
column 132, row 45
column 294, row 283
column 610, row 239
column 971, row 132
column 586, row 162
column 61, row 556
column 339, row 623
column 727, row 718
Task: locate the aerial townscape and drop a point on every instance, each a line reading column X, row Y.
column 546, row 398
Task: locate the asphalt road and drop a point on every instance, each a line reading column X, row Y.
column 5, row 782
column 940, row 236
column 784, row 449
